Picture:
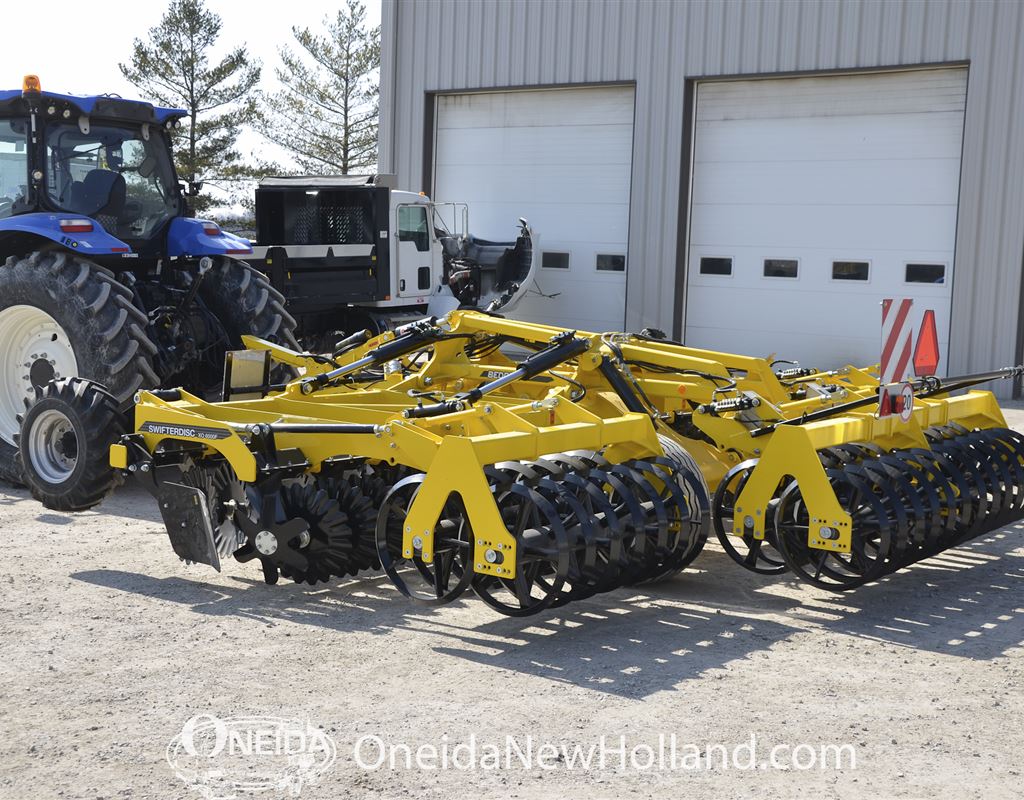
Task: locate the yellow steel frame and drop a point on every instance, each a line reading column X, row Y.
column 532, row 418
column 792, row 453
column 452, row 450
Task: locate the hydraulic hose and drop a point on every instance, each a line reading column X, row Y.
column 411, row 337
column 562, row 348
column 928, row 386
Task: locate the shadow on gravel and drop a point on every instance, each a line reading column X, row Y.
column 127, row 502
column 55, row 519
column 634, row 642
column 968, row 602
column 626, row 643
column 366, row 604
column 10, row 494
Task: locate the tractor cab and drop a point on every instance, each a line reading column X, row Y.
column 120, row 174
column 95, row 173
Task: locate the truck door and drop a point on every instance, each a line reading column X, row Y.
column 415, row 245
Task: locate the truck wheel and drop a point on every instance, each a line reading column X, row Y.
column 245, row 303
column 65, row 444
column 62, row 316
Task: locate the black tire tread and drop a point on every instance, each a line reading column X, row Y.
column 246, row 303
column 99, row 423
column 106, row 329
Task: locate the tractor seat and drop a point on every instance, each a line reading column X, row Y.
column 102, row 195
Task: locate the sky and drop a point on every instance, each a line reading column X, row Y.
column 77, row 47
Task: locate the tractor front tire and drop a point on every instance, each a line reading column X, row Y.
column 62, row 316
column 64, row 444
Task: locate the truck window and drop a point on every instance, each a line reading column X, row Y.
column 412, row 226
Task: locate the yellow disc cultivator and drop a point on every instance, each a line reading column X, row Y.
column 537, row 465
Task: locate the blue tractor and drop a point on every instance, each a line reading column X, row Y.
column 106, row 283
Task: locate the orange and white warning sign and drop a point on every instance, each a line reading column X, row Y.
column 897, row 340
column 910, row 339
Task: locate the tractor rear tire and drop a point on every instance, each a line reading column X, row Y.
column 63, row 316
column 245, row 303
column 64, row 445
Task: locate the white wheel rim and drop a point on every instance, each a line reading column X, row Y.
column 52, row 446
column 30, row 341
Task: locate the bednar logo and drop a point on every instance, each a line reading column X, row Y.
column 184, row 431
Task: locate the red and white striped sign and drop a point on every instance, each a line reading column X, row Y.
column 897, row 340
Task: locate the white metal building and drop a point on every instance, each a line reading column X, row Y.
column 749, row 176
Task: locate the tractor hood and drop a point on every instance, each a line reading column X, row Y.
column 76, row 232
column 201, row 237
column 14, row 101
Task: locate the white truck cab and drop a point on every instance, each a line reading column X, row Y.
column 322, row 243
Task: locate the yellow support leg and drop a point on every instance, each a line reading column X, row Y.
column 791, row 453
column 456, row 469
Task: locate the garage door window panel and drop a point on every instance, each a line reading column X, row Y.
column 925, row 273
column 782, row 268
column 858, row 167
column 561, row 158
column 719, row 266
column 551, row 259
column 610, row 262
column 851, row 271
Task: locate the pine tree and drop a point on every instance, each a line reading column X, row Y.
column 172, row 68
column 326, row 112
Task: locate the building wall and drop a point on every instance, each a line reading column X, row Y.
column 446, row 45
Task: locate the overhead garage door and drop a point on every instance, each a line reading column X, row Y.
column 561, row 158
column 814, row 199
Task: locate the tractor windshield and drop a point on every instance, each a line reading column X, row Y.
column 116, row 175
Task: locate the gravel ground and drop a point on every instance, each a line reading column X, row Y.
column 109, row 645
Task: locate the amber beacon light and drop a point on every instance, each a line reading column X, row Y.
column 31, row 84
